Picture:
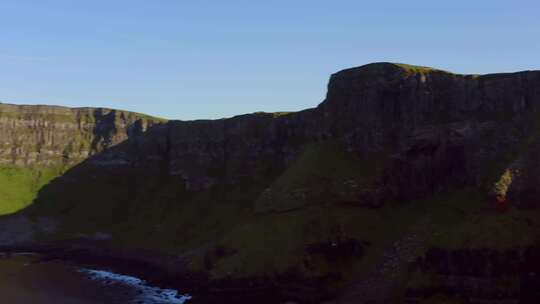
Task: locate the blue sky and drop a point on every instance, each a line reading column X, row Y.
column 210, row 59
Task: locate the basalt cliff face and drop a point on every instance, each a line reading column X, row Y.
column 38, row 143
column 396, row 170
column 432, row 129
column 56, row 136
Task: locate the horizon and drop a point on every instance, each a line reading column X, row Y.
column 190, row 61
column 244, row 113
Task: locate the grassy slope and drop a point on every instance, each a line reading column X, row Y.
column 19, row 186
column 267, row 235
column 324, row 172
column 466, row 220
column 375, row 68
column 312, row 202
column 474, row 220
column 149, row 210
column 487, row 224
column 274, row 242
column 413, row 69
column 485, row 228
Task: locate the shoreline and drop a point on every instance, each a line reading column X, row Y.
column 156, row 269
column 23, row 280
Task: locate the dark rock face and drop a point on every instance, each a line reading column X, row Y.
column 443, row 129
column 438, row 130
column 481, row 274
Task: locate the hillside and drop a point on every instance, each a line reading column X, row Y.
column 38, row 143
column 406, row 182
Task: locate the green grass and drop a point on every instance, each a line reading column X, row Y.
column 273, row 240
column 324, row 173
column 273, row 243
column 381, row 67
column 141, row 209
column 468, row 219
column 275, row 114
column 483, row 226
column 419, row 69
column 19, row 186
column 151, row 210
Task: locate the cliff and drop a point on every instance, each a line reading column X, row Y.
column 55, row 136
column 396, row 154
column 38, row 143
column 417, row 122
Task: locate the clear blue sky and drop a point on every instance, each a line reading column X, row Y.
column 209, row 59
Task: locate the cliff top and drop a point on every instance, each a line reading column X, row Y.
column 378, row 68
column 372, row 71
column 62, row 110
column 393, row 68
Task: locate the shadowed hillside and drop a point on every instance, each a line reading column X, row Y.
column 399, row 182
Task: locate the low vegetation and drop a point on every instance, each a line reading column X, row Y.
column 20, row 186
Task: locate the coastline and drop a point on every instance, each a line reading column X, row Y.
column 156, row 269
column 23, row 280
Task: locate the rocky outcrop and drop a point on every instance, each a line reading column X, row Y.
column 442, row 129
column 437, row 130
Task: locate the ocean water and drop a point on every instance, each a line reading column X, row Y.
column 25, row 279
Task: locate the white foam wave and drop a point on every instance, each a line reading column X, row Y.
column 146, row 294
